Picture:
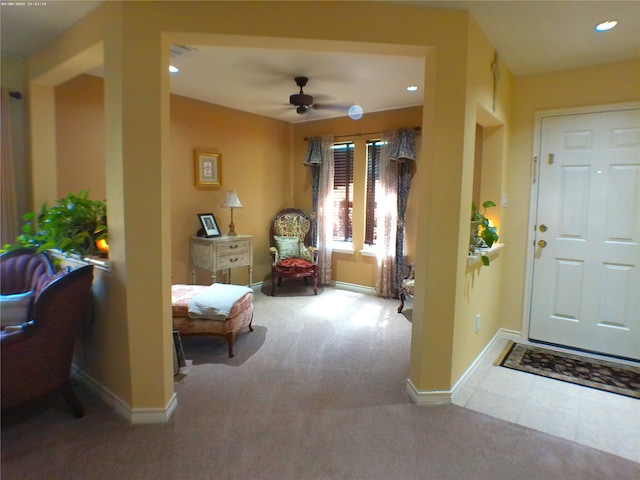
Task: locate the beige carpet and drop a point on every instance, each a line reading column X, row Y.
column 317, row 391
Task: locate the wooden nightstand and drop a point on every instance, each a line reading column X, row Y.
column 221, row 253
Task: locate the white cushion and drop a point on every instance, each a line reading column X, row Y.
column 14, row 309
column 215, row 302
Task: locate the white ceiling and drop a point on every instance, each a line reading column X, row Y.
column 530, row 36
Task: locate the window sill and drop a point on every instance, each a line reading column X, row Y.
column 368, row 252
column 99, row 263
column 489, row 252
column 343, row 247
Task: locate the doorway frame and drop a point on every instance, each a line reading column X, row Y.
column 534, row 174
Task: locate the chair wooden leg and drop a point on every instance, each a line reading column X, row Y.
column 273, row 285
column 315, row 285
column 402, row 296
column 72, row 400
column 230, row 340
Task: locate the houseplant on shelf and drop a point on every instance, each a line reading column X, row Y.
column 483, row 235
column 75, row 225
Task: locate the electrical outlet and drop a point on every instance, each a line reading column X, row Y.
column 477, row 323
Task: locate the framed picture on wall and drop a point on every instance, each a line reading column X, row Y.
column 209, row 225
column 208, row 169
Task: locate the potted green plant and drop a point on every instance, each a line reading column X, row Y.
column 483, row 235
column 74, row 225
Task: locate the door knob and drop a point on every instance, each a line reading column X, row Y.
column 542, row 243
column 543, row 228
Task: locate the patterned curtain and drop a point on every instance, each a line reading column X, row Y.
column 404, row 182
column 403, row 151
column 313, row 159
column 320, row 158
column 387, row 222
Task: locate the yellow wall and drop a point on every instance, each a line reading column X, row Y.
column 256, row 159
column 479, row 287
column 131, row 39
column 80, row 137
column 598, row 85
column 13, row 73
column 138, row 156
column 255, row 162
column 356, row 268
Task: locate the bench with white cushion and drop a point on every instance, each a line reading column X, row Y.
column 219, row 309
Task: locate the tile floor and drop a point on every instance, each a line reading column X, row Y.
column 601, row 420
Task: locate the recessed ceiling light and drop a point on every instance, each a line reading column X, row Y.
column 412, row 88
column 173, row 69
column 604, row 26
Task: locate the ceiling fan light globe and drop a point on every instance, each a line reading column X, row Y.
column 301, row 109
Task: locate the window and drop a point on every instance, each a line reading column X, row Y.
column 342, row 191
column 374, row 151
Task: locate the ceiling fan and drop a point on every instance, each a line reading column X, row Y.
column 301, row 100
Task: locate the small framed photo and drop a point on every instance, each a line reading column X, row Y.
column 208, row 169
column 209, row 225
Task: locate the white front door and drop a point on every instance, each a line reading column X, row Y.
column 586, row 271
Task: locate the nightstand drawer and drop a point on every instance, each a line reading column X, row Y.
column 233, row 260
column 233, row 247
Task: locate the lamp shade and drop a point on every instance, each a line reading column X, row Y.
column 232, row 200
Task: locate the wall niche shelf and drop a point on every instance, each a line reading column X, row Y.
column 489, row 252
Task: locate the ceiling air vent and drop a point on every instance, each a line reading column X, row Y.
column 179, row 50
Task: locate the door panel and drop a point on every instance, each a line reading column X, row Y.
column 586, row 277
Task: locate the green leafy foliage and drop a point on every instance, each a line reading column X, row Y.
column 73, row 225
column 482, row 233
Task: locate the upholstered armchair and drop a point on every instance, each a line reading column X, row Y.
column 23, row 275
column 292, row 257
column 36, row 356
column 405, row 288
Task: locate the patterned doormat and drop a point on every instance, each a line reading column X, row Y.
column 600, row 374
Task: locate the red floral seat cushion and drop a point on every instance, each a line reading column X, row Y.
column 290, row 265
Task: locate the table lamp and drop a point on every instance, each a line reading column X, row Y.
column 232, row 201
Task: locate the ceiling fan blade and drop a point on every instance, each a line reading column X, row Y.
column 328, row 106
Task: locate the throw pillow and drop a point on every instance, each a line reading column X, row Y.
column 14, row 309
column 305, row 253
column 287, row 247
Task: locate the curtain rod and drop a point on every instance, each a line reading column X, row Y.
column 417, row 129
column 15, row 94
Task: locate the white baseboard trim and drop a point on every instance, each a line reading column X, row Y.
column 122, row 408
column 352, row 287
column 257, row 287
column 512, row 335
column 428, row 397
column 440, row 397
column 502, row 333
column 107, row 396
column 154, row 415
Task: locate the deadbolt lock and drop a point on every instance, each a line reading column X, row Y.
column 543, row 228
column 542, row 243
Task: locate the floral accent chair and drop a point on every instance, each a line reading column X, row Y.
column 406, row 285
column 292, row 257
